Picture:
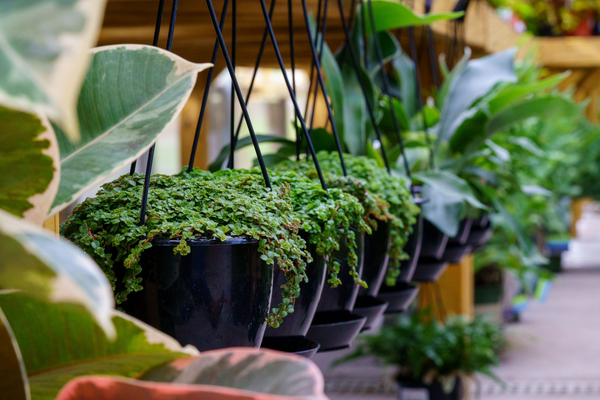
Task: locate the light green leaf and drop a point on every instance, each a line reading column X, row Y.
column 44, row 55
column 477, row 78
column 50, row 269
column 450, row 75
column 501, row 152
column 60, row 342
column 29, row 164
column 13, row 378
column 404, row 68
column 393, row 14
column 542, row 107
column 335, row 89
column 511, row 94
column 131, row 92
column 355, row 113
column 451, row 185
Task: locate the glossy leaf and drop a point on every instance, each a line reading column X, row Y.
column 450, row 75
column 394, row 14
column 13, row 378
column 404, row 68
column 445, row 212
column 451, row 185
column 476, row 79
column 245, row 142
column 355, row 113
column 44, row 55
column 254, row 370
column 50, row 269
column 131, row 92
column 29, row 164
column 60, row 342
column 334, row 85
column 543, row 107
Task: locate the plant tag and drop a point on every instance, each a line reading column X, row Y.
column 414, row 394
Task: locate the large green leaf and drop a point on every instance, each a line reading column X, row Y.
column 61, row 341
column 444, row 212
column 404, row 68
column 550, row 106
column 450, row 75
column 393, row 14
column 335, row 89
column 228, row 374
column 29, row 164
column 477, row 78
column 14, row 384
column 217, row 164
column 131, row 92
column 43, row 266
column 44, row 54
column 451, row 185
column 355, row 113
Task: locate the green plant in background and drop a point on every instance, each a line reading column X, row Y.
column 426, row 351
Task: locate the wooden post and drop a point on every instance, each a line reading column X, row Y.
column 577, row 206
column 52, row 224
column 455, row 291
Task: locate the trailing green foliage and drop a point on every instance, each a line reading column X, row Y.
column 184, row 207
column 328, row 217
column 426, row 350
column 381, row 187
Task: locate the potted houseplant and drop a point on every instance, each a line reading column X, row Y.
column 333, row 225
column 434, row 358
column 205, row 254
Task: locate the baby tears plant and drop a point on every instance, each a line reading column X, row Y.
column 328, row 217
column 184, row 207
column 387, row 197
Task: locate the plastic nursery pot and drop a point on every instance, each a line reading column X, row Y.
column 298, row 322
column 408, row 390
column 298, row 345
column 429, row 269
column 412, row 248
column 215, row 297
column 335, row 330
column 399, row 296
column 455, row 252
column 463, row 232
column 480, row 233
column 344, row 296
column 370, row 307
column 434, row 241
column 377, row 246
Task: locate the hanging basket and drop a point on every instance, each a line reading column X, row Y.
column 481, row 233
column 215, row 297
column 399, row 296
column 298, row 345
column 377, row 246
column 413, row 246
column 434, row 241
column 429, row 270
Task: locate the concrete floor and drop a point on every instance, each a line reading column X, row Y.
column 553, row 352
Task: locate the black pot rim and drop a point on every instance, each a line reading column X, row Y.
column 204, row 241
column 337, row 318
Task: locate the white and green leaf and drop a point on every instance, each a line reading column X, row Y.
column 29, row 164
column 13, row 378
column 50, row 269
column 130, row 94
column 44, row 55
column 59, row 342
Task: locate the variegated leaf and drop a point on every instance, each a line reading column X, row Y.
column 13, row 379
column 131, row 92
column 29, row 164
column 60, row 342
column 44, row 55
column 51, row 269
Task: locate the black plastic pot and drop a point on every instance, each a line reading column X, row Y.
column 370, row 307
column 298, row 345
column 455, row 252
column 377, row 246
column 335, row 330
column 434, row 391
column 434, row 241
column 480, row 234
column 399, row 297
column 463, row 232
column 429, row 270
column 298, row 322
column 344, row 296
column 215, row 297
column 413, row 249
